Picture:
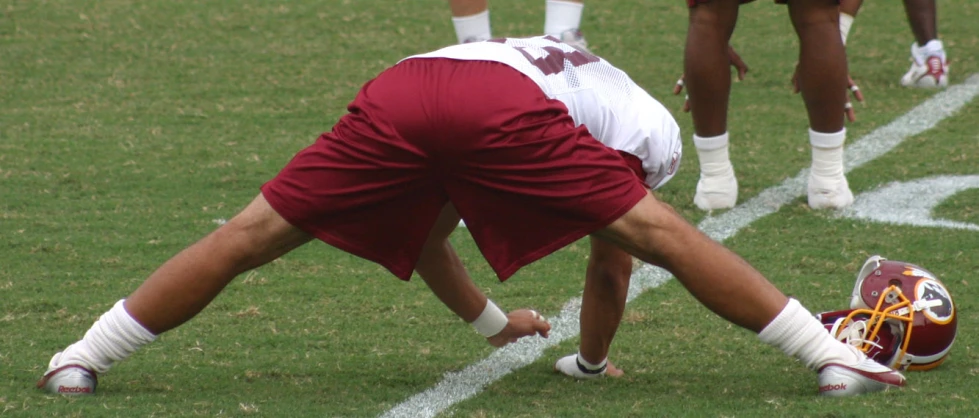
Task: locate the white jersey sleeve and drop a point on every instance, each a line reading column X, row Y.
column 616, row 111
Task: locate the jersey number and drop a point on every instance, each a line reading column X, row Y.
column 553, row 61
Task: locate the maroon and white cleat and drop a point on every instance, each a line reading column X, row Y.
column 865, row 377
column 69, row 380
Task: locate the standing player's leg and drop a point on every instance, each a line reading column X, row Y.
column 823, row 82
column 562, row 20
column 176, row 292
column 732, row 288
column 471, row 20
column 708, row 82
column 929, row 65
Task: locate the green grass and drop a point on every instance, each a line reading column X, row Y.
column 128, row 128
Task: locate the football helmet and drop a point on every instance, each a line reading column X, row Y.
column 900, row 315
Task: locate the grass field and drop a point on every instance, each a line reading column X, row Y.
column 130, row 129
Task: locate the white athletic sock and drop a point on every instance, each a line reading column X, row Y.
column 799, row 334
column 933, row 47
column 592, row 367
column 113, row 337
column 560, row 16
column 845, row 22
column 713, row 154
column 473, row 28
column 827, row 153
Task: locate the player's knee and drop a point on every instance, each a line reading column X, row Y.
column 814, row 15
column 719, row 16
column 613, row 275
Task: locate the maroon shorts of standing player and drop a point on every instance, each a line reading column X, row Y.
column 479, row 134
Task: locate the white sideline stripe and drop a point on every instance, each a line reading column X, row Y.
column 459, row 386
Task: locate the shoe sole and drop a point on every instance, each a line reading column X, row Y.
column 837, row 380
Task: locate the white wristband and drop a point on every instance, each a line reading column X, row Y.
column 491, row 321
column 845, row 22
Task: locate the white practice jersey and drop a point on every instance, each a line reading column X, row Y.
column 614, row 108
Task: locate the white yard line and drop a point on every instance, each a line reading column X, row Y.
column 458, row 386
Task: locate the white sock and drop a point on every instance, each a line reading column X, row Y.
column 713, row 154
column 473, row 28
column 799, row 334
column 933, row 47
column 845, row 22
column 113, row 337
column 560, row 16
column 827, row 153
column 592, row 367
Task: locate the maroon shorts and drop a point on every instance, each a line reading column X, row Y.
column 478, row 134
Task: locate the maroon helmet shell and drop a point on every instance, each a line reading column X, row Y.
column 915, row 305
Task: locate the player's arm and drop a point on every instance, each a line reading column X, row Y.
column 444, row 273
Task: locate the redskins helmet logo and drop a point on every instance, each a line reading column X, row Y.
column 929, row 289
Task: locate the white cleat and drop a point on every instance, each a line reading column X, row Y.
column 569, row 365
column 932, row 73
column 716, row 192
column 928, row 69
column 574, row 38
column 829, row 193
column 865, row 377
column 69, row 380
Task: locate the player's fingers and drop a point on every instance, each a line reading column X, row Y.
column 851, row 115
column 855, row 90
column 678, row 87
column 686, row 104
column 737, row 62
column 541, row 326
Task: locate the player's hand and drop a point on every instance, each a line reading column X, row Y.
column 568, row 366
column 522, row 323
column 735, row 61
column 851, row 85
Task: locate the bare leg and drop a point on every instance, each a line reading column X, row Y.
column 606, row 288
column 923, row 18
column 176, row 292
column 706, row 65
column 718, row 278
column 707, row 76
column 185, row 284
column 729, row 286
column 822, row 63
column 467, row 7
column 851, row 7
